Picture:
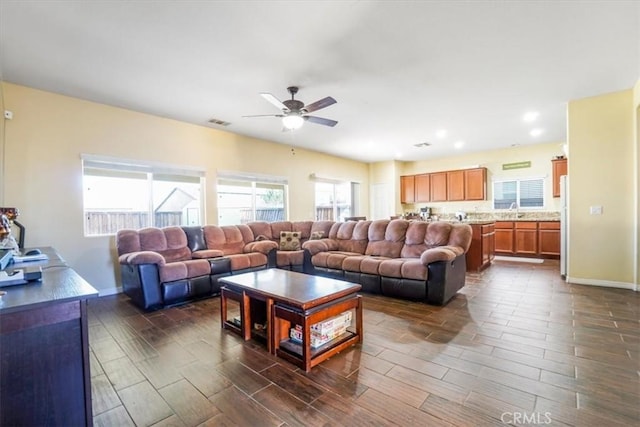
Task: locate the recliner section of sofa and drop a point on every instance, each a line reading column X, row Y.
column 406, row 259
column 167, row 266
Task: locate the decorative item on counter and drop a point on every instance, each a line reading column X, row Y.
column 7, row 241
column 461, row 216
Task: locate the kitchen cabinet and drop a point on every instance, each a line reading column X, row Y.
column 504, row 238
column 439, row 187
column 549, row 239
column 526, row 235
column 407, row 189
column 475, row 183
column 455, row 185
column 559, row 168
column 423, row 187
column 540, row 239
column 482, row 249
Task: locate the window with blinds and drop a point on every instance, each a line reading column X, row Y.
column 120, row 193
column 245, row 198
column 521, row 193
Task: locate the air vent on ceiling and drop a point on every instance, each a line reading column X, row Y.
column 219, row 122
column 422, row 144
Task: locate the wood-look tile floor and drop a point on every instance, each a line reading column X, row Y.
column 516, row 346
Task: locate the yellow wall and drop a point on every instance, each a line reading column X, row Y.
column 43, row 174
column 540, row 156
column 636, row 106
column 602, row 172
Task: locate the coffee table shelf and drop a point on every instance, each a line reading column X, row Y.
column 281, row 298
column 295, row 347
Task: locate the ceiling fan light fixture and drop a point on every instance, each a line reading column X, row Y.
column 292, row 121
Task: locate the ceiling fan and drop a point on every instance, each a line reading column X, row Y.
column 294, row 112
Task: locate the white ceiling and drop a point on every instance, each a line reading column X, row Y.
column 399, row 70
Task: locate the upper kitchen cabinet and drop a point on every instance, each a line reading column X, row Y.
column 407, row 189
column 559, row 167
column 455, row 185
column 439, row 187
column 475, row 184
column 423, row 187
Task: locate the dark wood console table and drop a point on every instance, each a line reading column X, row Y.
column 44, row 348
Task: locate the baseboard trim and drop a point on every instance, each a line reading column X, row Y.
column 110, row 291
column 518, row 259
column 602, row 283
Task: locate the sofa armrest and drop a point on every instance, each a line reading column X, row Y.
column 142, row 257
column 316, row 246
column 441, row 253
column 207, row 253
column 262, row 246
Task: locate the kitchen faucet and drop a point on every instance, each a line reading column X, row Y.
column 514, row 205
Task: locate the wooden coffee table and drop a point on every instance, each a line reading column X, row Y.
column 292, row 298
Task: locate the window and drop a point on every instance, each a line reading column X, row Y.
column 121, row 194
column 518, row 193
column 245, row 198
column 335, row 201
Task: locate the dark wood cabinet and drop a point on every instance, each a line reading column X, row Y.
column 475, row 183
column 455, row 185
column 407, row 189
column 526, row 235
column 44, row 348
column 559, row 168
column 423, row 187
column 549, row 238
column 504, row 238
column 439, row 187
column 482, row 249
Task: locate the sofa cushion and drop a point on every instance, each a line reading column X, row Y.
column 261, row 228
column 127, row 241
column 195, row 238
column 316, row 235
column 289, row 240
column 229, row 238
column 404, row 268
column 288, row 258
column 184, row 270
column 386, row 238
column 332, row 259
column 248, row 260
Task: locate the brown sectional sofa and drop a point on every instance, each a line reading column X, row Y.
column 399, row 258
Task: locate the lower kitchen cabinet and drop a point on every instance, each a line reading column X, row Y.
column 482, row 249
column 504, row 238
column 549, row 238
column 528, row 238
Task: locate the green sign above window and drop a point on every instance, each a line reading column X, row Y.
column 516, row 165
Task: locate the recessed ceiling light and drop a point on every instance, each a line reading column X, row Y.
column 530, row 116
column 458, row 145
column 441, row 133
column 536, row 132
column 398, row 155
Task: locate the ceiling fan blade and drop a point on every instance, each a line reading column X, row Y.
column 266, row 115
column 324, row 102
column 275, row 101
column 321, row 121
